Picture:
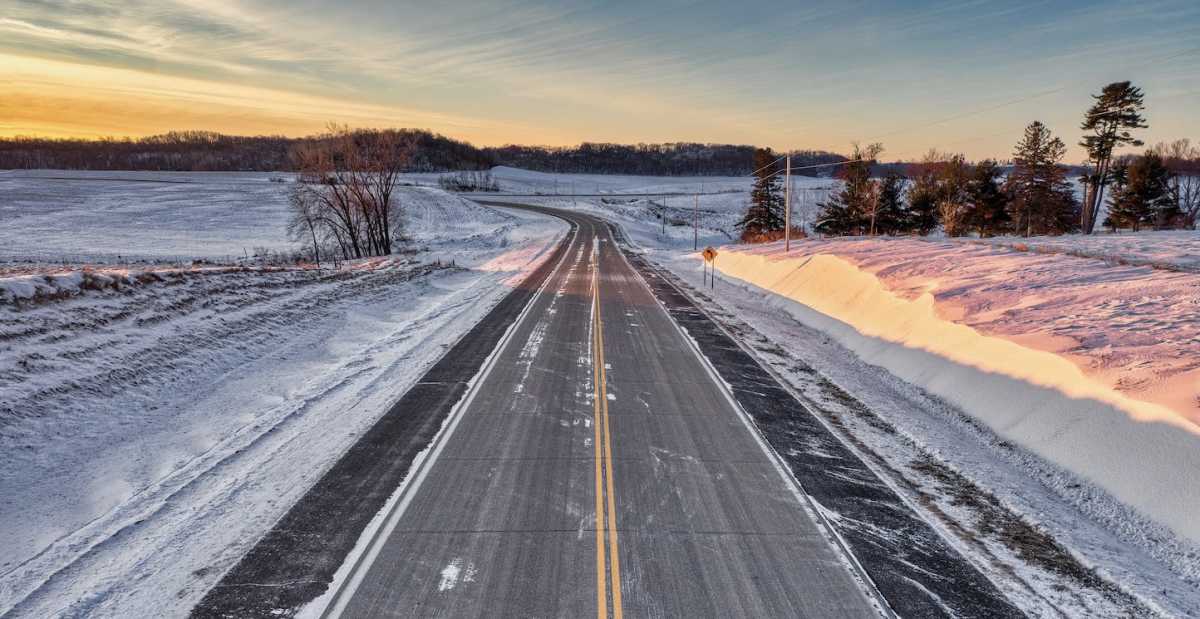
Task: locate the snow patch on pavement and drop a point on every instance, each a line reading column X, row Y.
column 450, row 574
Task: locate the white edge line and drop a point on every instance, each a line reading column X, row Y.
column 780, row 466
column 403, row 496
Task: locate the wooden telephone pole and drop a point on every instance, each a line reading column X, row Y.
column 787, row 202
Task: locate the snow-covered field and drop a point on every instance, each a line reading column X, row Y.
column 518, row 181
column 1171, row 250
column 155, row 424
column 57, row 216
column 76, row 216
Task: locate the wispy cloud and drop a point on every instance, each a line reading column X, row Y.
column 817, row 74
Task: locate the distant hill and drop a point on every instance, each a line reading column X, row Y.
column 184, row 151
column 672, row 159
column 203, row 151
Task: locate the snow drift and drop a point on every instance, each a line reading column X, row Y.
column 1143, row 453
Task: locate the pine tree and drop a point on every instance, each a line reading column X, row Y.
column 765, row 214
column 1143, row 195
column 922, row 204
column 848, row 211
column 1116, row 111
column 987, row 199
column 1118, row 216
column 1043, row 201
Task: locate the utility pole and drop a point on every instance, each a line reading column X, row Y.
column 787, row 201
column 696, row 225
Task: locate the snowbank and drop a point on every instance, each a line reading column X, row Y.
column 911, row 317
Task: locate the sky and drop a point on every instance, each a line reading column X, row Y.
column 914, row 75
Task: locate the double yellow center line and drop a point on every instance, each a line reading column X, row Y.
column 606, row 513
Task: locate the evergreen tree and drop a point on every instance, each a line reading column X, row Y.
column 1143, row 195
column 1117, row 110
column 1043, row 201
column 1118, row 217
column 922, row 204
column 848, row 211
column 987, row 199
column 765, row 214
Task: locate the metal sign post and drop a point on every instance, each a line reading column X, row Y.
column 710, row 260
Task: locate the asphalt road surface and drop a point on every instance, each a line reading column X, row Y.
column 599, row 467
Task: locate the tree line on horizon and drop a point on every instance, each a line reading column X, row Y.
column 205, row 151
column 670, row 159
column 1033, row 195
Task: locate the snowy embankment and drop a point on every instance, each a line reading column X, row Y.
column 1090, row 366
column 153, row 427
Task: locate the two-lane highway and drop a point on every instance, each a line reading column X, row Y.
column 597, row 466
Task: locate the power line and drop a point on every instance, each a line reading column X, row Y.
column 972, row 113
column 767, row 166
column 813, row 166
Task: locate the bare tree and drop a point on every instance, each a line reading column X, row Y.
column 306, row 224
column 954, row 206
column 872, row 205
column 347, row 180
column 1186, row 188
column 324, row 175
column 386, row 154
column 1183, row 159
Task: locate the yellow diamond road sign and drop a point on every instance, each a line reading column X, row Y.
column 709, row 254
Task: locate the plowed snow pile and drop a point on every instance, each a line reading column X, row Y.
column 1092, row 365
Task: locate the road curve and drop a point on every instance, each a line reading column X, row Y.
column 598, row 467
